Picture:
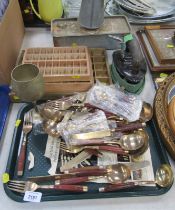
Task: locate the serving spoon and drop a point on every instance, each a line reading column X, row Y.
column 50, row 125
column 146, row 112
column 163, row 178
column 115, row 174
column 135, row 154
column 118, row 173
column 131, row 142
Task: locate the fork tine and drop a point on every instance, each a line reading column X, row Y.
column 64, row 147
column 16, row 181
column 16, row 187
column 31, row 116
column 17, row 184
column 28, row 118
column 16, row 190
column 65, row 150
column 63, row 143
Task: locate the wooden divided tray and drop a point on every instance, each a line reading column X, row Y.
column 100, row 65
column 61, row 63
column 65, row 70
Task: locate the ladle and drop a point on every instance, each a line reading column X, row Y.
column 77, row 149
column 47, row 113
column 136, row 153
column 97, row 170
column 115, row 174
column 50, row 125
column 118, row 173
column 164, row 178
column 146, row 112
column 130, row 142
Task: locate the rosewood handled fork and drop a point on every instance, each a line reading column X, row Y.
column 23, row 186
column 27, row 127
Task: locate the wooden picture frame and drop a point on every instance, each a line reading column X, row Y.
column 160, row 37
column 151, row 58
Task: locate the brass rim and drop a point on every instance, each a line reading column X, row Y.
column 161, row 113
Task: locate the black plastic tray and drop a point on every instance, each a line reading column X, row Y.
column 36, row 144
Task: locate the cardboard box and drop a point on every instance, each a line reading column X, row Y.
column 11, row 37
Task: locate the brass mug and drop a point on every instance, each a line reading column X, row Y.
column 27, row 82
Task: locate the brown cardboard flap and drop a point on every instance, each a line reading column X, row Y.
column 11, row 36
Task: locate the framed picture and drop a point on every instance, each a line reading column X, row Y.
column 149, row 52
column 160, row 38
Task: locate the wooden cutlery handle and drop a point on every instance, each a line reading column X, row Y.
column 115, row 149
column 50, row 177
column 71, row 188
column 21, row 158
column 87, row 172
column 115, row 187
column 75, row 180
column 130, row 127
column 84, row 169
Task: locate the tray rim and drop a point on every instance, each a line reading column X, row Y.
column 91, row 195
column 5, row 89
column 90, row 35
